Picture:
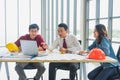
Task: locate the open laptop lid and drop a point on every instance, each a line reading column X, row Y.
column 29, row 47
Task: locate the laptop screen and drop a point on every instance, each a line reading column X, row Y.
column 29, row 47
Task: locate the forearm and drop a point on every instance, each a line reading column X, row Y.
column 74, row 50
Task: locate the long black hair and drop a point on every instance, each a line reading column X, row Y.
column 101, row 29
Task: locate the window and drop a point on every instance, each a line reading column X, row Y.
column 71, row 17
column 115, row 47
column 116, row 8
column 2, row 23
column 78, row 19
column 91, row 29
column 116, row 30
column 112, row 22
column 11, row 21
column 35, row 12
column 24, row 16
column 90, row 42
column 105, row 22
column 92, row 9
column 103, row 8
column 19, row 16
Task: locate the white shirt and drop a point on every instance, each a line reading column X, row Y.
column 73, row 44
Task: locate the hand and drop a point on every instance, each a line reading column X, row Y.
column 83, row 52
column 49, row 50
column 40, row 49
column 44, row 45
column 13, row 51
column 63, row 50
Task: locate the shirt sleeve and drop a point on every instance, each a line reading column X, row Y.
column 76, row 48
column 18, row 42
column 55, row 44
column 105, row 46
column 40, row 40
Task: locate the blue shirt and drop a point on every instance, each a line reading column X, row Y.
column 105, row 45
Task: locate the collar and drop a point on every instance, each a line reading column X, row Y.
column 65, row 37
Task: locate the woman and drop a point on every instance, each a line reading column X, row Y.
column 105, row 70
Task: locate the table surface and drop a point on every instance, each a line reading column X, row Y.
column 51, row 57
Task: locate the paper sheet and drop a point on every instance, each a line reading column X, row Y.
column 54, row 56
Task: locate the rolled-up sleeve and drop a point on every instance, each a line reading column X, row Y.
column 77, row 47
column 18, row 42
column 54, row 45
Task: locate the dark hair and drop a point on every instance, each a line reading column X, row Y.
column 32, row 26
column 63, row 25
column 101, row 29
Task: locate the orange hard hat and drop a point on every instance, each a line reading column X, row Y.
column 97, row 54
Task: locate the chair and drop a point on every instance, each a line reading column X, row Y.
column 80, row 42
column 117, row 77
column 76, row 75
column 118, row 54
column 30, row 66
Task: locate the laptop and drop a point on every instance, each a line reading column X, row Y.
column 30, row 48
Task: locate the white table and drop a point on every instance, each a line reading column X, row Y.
column 55, row 57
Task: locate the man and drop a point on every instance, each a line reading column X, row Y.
column 33, row 35
column 67, row 44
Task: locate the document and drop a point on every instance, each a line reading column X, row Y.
column 57, row 56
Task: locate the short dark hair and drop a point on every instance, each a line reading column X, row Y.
column 32, row 26
column 63, row 25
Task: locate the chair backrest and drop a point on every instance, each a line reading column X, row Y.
column 118, row 54
column 80, row 42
